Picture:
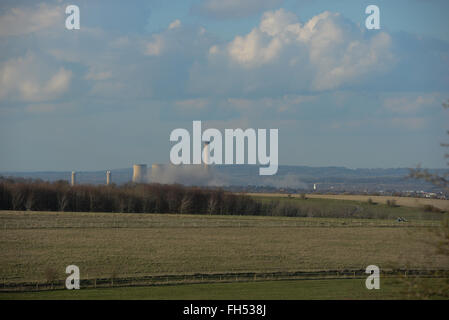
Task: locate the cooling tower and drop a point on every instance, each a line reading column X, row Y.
column 139, row 173
column 206, row 153
column 108, row 177
column 73, row 180
column 156, row 170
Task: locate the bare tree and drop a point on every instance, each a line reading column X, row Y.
column 17, row 197
column 29, row 202
column 186, row 204
column 212, row 205
column 63, row 200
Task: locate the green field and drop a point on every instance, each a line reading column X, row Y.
column 272, row 290
column 122, row 245
column 358, row 207
column 407, row 202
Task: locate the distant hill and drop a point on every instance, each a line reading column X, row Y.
column 288, row 177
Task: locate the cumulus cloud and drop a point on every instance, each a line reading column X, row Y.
column 29, row 19
column 281, row 59
column 28, row 79
column 234, row 8
column 192, row 41
column 329, row 50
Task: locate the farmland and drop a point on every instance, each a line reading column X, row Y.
column 176, row 247
column 121, row 245
column 401, row 201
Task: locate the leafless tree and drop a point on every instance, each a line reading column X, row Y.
column 442, row 245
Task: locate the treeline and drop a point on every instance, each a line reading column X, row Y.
column 37, row 195
column 136, row 198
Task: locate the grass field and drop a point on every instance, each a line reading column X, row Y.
column 341, row 208
column 342, row 289
column 401, row 201
column 122, row 245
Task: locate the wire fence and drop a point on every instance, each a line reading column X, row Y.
column 158, row 280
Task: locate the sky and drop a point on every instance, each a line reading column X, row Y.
column 109, row 94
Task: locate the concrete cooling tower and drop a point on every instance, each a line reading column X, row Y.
column 156, row 170
column 139, row 173
column 206, row 154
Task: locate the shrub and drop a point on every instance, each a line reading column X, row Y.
column 431, row 208
column 392, row 203
column 51, row 275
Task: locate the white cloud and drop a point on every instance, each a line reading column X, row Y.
column 279, row 22
column 182, row 41
column 24, row 20
column 29, row 79
column 329, row 50
column 175, row 24
column 254, row 49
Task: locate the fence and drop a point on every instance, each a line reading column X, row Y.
column 157, row 280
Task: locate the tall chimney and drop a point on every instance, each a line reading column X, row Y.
column 73, row 180
column 108, row 177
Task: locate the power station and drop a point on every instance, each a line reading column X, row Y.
column 156, row 169
column 139, row 173
column 160, row 173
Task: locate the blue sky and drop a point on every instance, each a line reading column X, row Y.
column 108, row 95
